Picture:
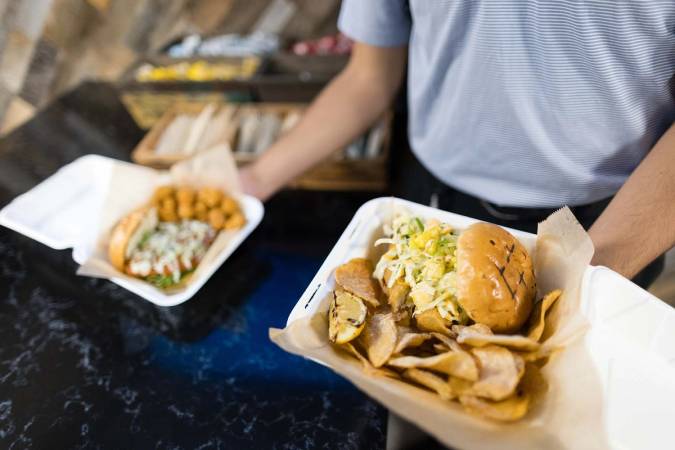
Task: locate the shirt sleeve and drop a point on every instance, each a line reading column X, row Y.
column 381, row 23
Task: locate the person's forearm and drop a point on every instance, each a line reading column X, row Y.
column 639, row 223
column 344, row 110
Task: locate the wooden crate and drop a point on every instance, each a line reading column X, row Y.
column 148, row 107
column 148, row 101
column 263, row 108
column 336, row 173
column 128, row 78
column 144, row 153
column 280, row 78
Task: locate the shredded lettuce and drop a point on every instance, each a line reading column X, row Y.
column 160, row 281
column 423, row 254
column 166, row 281
column 145, row 238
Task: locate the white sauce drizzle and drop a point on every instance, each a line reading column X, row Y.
column 170, row 246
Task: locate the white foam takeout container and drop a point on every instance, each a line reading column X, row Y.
column 62, row 212
column 631, row 339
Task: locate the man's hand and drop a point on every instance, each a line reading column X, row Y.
column 639, row 223
column 357, row 97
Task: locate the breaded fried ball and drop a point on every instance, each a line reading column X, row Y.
column 235, row 221
column 185, row 195
column 167, row 215
column 163, row 192
column 201, row 211
column 229, row 206
column 185, row 211
column 216, row 219
column 169, row 203
column 211, row 197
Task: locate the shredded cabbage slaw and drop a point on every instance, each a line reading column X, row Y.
column 423, row 255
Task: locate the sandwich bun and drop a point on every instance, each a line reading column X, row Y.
column 128, row 233
column 495, row 278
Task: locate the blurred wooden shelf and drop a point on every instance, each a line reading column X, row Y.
column 352, row 175
column 145, row 154
column 338, row 173
column 280, row 78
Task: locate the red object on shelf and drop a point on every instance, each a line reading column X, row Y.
column 337, row 44
column 326, row 45
column 302, row 48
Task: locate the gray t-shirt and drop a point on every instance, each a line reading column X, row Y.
column 530, row 103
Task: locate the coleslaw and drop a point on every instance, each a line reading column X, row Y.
column 422, row 254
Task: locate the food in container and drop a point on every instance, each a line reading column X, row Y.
column 447, row 311
column 164, row 241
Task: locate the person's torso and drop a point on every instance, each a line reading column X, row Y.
column 539, row 103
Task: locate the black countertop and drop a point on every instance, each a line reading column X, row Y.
column 87, row 364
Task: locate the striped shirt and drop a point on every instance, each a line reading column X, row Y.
column 530, row 103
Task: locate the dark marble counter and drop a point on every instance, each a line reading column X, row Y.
column 87, row 364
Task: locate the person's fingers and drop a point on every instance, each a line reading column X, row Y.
column 251, row 184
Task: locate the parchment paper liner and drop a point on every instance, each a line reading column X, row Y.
column 132, row 186
column 568, row 416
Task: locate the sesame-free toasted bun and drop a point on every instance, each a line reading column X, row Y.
column 127, row 234
column 495, row 278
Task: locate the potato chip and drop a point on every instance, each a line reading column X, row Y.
column 411, row 339
column 540, row 354
column 351, row 349
column 450, row 343
column 500, row 372
column 403, row 317
column 516, row 342
column 477, row 328
column 528, row 395
column 431, row 381
column 459, row 364
column 346, row 317
column 537, row 321
column 355, row 276
column 508, row 410
column 441, row 348
column 460, row 386
column 431, row 320
column 365, row 364
column 379, row 338
column 533, row 384
column 403, row 329
column 385, row 372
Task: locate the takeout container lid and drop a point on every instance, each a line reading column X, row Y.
column 62, row 212
column 631, row 339
column 58, row 210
